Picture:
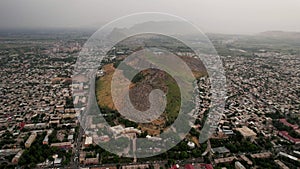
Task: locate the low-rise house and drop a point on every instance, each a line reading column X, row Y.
column 225, row 160
column 262, row 155
column 238, row 165
column 286, row 123
column 286, row 135
column 281, row 164
column 249, row 162
column 57, row 161
column 46, row 140
column 220, row 150
column 63, row 145
column 16, row 158
column 30, row 140
column 88, row 141
column 70, row 138
column 93, row 160
column 8, row 152
column 289, row 156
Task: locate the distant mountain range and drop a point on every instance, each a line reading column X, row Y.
column 163, row 27
column 185, row 29
column 280, row 34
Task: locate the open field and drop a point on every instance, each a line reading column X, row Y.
column 103, row 88
column 146, row 81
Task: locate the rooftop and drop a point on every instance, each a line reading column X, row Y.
column 246, row 132
column 220, row 150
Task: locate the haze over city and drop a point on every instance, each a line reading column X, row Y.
column 214, row 16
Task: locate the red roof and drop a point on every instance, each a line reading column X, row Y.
column 286, row 135
column 189, row 166
column 207, row 166
column 294, row 126
column 21, row 125
column 174, row 167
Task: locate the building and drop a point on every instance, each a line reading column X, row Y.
column 289, row 156
column 82, row 157
column 225, row 160
column 63, row 145
column 29, row 126
column 220, row 150
column 16, row 158
column 228, row 132
column 30, row 140
column 281, row 164
column 8, row 152
column 70, row 138
column 238, row 165
column 57, row 161
column 153, row 138
column 262, row 155
column 137, row 166
column 286, row 135
column 119, row 129
column 249, row 162
column 41, row 125
column 46, row 140
column 204, row 166
column 88, row 141
column 294, row 126
column 246, row 132
column 93, row 161
column 191, row 144
column 189, row 166
column 108, row 167
column 175, row 166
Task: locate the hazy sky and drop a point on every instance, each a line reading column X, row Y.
column 222, row 16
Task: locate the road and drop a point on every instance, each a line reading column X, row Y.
column 78, row 141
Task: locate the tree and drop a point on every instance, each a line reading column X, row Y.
column 196, row 153
column 184, row 155
column 194, row 132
